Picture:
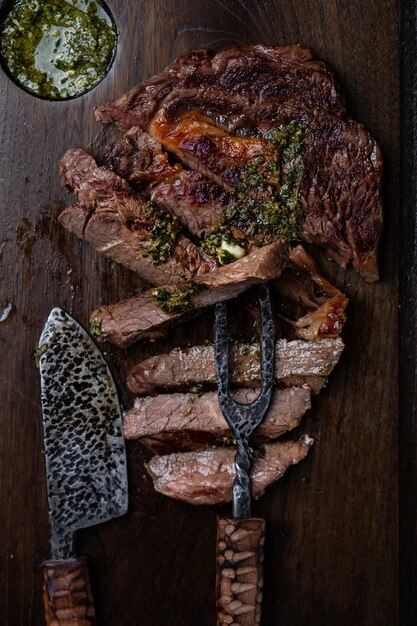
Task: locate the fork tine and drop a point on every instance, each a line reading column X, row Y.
column 244, row 418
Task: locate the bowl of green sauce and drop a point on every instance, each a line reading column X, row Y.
column 57, row 49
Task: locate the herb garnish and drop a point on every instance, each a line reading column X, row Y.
column 96, row 327
column 177, row 299
column 265, row 205
column 256, row 450
column 37, row 353
column 197, row 389
column 164, row 234
column 220, row 242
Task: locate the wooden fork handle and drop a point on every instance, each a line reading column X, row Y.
column 240, row 555
column 67, row 596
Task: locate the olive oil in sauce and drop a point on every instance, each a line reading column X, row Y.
column 57, row 49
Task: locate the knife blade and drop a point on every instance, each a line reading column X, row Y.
column 84, row 456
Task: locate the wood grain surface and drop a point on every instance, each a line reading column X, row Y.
column 332, row 523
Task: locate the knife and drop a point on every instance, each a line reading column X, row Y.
column 85, row 460
column 240, row 539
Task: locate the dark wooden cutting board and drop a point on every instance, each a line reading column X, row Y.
column 334, row 521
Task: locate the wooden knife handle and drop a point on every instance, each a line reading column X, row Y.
column 67, row 596
column 240, row 555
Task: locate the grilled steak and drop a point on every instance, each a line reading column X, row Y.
column 198, row 202
column 208, row 148
column 184, row 421
column 146, row 314
column 139, row 159
column 302, row 282
column 297, row 363
column 204, row 96
column 120, row 224
column 206, row 477
column 239, row 84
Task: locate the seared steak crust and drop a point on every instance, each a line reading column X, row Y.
column 239, row 83
column 261, row 87
column 141, row 316
column 116, row 222
column 297, row 363
column 206, row 477
column 198, row 202
column 139, row 159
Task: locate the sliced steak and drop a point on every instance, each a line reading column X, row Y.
column 327, row 321
column 184, row 421
column 198, row 202
column 260, row 87
column 119, row 224
column 206, row 477
column 139, row 159
column 143, row 316
column 297, row 363
column 302, row 282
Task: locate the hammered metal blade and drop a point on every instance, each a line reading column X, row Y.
column 84, row 447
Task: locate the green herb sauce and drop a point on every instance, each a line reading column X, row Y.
column 96, row 327
column 197, row 389
column 177, row 299
column 225, row 441
column 220, row 242
column 57, row 49
column 37, row 353
column 256, row 450
column 266, row 202
column 164, row 234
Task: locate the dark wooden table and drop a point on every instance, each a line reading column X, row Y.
column 341, row 543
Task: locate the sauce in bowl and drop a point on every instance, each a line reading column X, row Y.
column 57, row 49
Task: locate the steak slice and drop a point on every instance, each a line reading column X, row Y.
column 119, row 224
column 143, row 316
column 260, row 87
column 302, row 282
column 139, row 159
column 198, row 202
column 206, row 477
column 297, row 363
column 181, row 421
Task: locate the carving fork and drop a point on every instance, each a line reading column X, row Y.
column 240, row 539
